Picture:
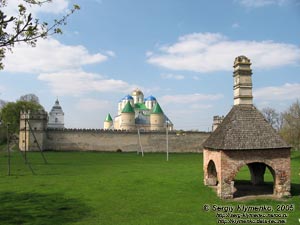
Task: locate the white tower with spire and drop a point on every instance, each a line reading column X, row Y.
column 56, row 116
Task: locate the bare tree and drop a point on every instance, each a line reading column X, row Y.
column 274, row 118
column 30, row 98
column 2, row 104
column 291, row 125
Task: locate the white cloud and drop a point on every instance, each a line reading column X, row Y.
column 49, row 56
column 260, row 3
column 78, row 82
column 110, row 53
column 54, row 7
column 149, row 53
column 192, row 43
column 172, row 76
column 189, row 98
column 209, row 52
column 91, row 104
column 235, row 25
column 280, row 93
column 187, row 111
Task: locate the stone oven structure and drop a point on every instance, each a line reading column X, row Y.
column 245, row 138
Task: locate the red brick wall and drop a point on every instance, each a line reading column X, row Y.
column 229, row 162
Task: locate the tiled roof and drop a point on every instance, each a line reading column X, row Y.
column 244, row 128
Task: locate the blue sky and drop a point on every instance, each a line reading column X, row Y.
column 181, row 52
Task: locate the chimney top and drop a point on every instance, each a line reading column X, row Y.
column 241, row 60
column 242, row 81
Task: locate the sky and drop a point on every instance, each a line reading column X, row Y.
column 180, row 51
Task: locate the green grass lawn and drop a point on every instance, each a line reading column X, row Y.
column 116, row 188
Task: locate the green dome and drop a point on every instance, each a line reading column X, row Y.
column 128, row 108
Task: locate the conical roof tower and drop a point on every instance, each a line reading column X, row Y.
column 157, row 118
column 128, row 117
column 108, row 122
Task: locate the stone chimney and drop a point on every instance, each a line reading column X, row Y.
column 242, row 81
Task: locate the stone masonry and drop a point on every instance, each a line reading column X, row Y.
column 34, row 134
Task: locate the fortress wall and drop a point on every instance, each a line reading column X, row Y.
column 99, row 140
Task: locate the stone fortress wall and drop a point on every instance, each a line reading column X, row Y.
column 125, row 141
column 34, row 134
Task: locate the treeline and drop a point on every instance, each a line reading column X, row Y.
column 10, row 114
column 286, row 123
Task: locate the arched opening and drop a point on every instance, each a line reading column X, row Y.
column 212, row 176
column 254, row 179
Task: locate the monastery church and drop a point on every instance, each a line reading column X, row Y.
column 56, row 117
column 136, row 112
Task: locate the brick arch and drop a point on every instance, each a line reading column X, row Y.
column 229, row 162
column 257, row 170
column 212, row 159
column 212, row 173
column 269, row 165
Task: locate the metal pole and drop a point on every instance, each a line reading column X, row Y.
column 8, row 152
column 141, row 147
column 138, row 151
column 167, row 141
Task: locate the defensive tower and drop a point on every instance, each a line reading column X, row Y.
column 33, row 125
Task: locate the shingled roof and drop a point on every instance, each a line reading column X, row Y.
column 244, row 128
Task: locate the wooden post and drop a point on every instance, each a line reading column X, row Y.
column 8, row 151
column 141, row 147
column 167, row 140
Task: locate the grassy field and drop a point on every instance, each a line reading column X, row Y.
column 117, row 188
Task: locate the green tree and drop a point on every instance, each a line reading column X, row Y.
column 291, row 125
column 2, row 128
column 10, row 113
column 2, row 134
column 26, row 28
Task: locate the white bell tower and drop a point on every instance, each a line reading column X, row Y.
column 56, row 116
